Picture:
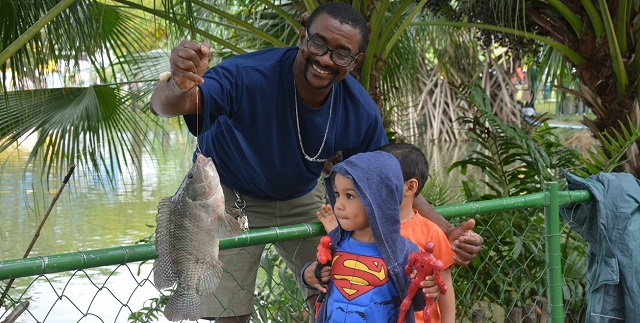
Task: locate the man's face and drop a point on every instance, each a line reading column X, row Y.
column 320, row 71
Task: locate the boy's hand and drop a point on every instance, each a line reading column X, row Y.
column 326, row 216
column 465, row 243
column 429, row 287
column 311, row 280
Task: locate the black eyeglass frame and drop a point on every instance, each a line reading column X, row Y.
column 329, row 49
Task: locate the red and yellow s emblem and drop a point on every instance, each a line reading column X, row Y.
column 355, row 275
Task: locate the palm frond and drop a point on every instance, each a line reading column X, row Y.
column 437, row 191
column 76, row 126
column 616, row 144
column 516, row 160
column 87, row 30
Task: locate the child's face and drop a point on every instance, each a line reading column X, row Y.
column 348, row 208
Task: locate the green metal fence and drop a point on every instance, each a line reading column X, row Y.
column 531, row 269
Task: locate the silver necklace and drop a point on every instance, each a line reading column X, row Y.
column 295, row 100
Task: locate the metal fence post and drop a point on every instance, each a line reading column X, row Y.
column 554, row 256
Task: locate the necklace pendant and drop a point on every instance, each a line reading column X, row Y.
column 311, row 159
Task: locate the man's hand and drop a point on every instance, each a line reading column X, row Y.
column 189, row 61
column 465, row 243
column 175, row 95
column 310, row 278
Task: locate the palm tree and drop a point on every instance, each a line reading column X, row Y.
column 97, row 124
column 598, row 39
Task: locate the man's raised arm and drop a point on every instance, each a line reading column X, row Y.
column 176, row 92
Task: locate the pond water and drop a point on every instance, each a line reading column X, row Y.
column 90, row 215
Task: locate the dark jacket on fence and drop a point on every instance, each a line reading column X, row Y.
column 610, row 224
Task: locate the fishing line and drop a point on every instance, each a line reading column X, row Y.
column 194, row 35
column 198, row 119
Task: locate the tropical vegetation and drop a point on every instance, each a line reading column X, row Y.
column 126, row 44
column 598, row 42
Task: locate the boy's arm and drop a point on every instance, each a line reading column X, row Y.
column 447, row 303
column 464, row 242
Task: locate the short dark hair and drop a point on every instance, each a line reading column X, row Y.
column 345, row 14
column 413, row 162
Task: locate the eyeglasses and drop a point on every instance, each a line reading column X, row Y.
column 338, row 56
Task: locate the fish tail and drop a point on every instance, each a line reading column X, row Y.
column 184, row 305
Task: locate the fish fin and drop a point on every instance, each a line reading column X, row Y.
column 164, row 275
column 228, row 227
column 208, row 282
column 184, row 305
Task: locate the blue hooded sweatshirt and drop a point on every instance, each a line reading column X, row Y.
column 377, row 179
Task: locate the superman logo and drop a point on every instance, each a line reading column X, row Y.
column 355, row 275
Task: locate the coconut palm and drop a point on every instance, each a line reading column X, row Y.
column 97, row 124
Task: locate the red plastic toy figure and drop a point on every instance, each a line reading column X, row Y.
column 425, row 264
column 324, row 250
column 323, row 255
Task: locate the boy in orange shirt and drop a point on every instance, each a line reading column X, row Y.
column 414, row 227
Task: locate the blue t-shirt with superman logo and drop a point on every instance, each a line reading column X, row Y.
column 361, row 290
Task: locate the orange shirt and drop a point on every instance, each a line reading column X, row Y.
column 419, row 230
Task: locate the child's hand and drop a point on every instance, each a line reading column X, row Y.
column 429, row 287
column 326, row 216
column 311, row 280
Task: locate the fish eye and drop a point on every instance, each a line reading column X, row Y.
column 190, row 176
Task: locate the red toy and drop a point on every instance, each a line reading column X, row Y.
column 425, row 265
column 324, row 259
column 324, row 250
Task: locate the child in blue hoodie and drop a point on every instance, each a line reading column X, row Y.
column 367, row 280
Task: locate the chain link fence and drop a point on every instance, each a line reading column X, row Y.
column 531, row 269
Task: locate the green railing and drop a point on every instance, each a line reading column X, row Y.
column 474, row 302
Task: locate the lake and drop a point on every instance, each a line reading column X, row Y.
column 90, row 215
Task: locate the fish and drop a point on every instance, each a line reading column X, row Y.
column 189, row 226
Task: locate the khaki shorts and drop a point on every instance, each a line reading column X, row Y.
column 234, row 296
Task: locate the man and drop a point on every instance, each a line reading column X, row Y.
column 269, row 120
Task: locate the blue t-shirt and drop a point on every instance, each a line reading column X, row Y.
column 249, row 125
column 361, row 288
